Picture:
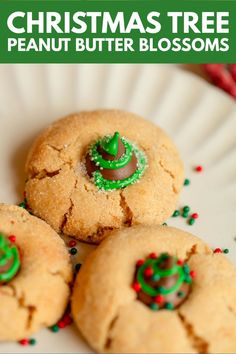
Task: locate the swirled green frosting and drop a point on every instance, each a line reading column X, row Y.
column 9, row 259
column 181, row 270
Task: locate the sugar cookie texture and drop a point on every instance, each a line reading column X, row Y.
column 112, row 319
column 59, row 191
column 38, row 295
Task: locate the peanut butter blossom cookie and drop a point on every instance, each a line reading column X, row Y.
column 156, row 289
column 9, row 260
column 94, row 172
column 35, row 274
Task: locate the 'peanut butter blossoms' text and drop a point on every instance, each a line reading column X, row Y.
column 68, row 30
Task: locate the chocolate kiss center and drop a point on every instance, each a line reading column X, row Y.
column 116, row 174
column 166, row 282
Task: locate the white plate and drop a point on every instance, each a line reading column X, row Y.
column 200, row 118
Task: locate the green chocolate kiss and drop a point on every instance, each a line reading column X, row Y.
column 110, row 144
column 9, row 254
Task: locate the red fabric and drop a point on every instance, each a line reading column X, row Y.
column 223, row 76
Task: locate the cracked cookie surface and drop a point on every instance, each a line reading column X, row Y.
column 112, row 319
column 59, row 191
column 38, row 295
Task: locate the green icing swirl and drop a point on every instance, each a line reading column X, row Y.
column 8, row 252
column 182, row 271
column 111, row 164
column 130, row 148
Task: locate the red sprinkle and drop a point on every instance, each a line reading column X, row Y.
column 148, row 272
column 139, row 262
column 218, row 250
column 24, row 342
column 153, row 255
column 159, row 299
column 12, row 238
column 61, row 324
column 193, row 274
column 199, row 168
column 67, row 320
column 72, row 243
column 195, row 216
column 180, row 262
column 136, row 286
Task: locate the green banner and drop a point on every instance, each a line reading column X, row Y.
column 164, row 31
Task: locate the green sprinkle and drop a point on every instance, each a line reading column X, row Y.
column 226, row 250
column 185, row 214
column 188, row 279
column 164, row 256
column 54, row 328
column 191, row 221
column 186, row 182
column 186, row 268
column 156, row 277
column 73, row 251
column 8, row 253
column 23, row 204
column 186, row 209
column 164, row 224
column 180, row 293
column 169, row 306
column 161, row 289
column 175, row 213
column 154, row 306
column 32, row 341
